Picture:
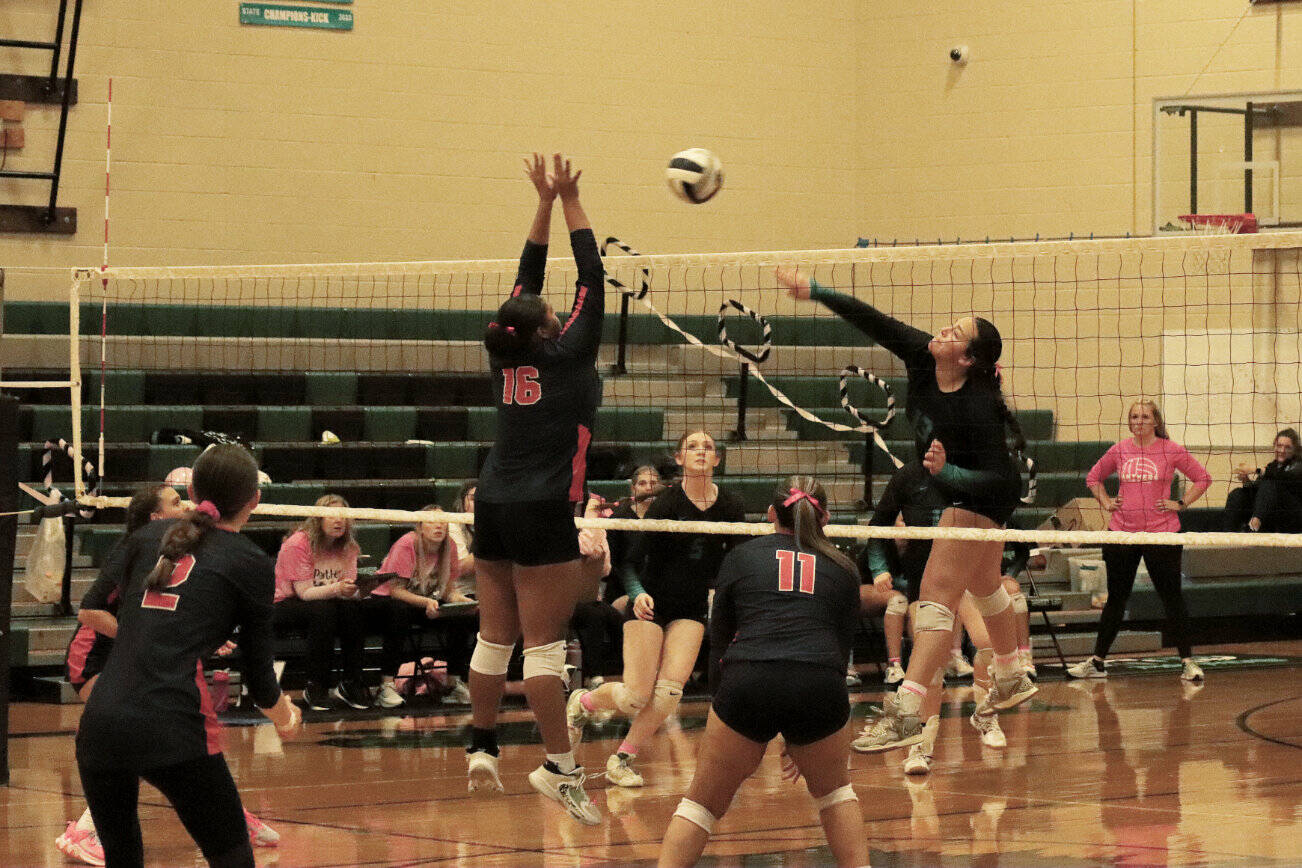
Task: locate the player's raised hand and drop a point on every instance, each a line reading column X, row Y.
column 793, row 280
column 566, row 178
column 542, row 182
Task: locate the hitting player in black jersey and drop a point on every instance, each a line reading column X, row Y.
column 526, row 544
column 960, row 420
column 668, row 577
column 784, row 618
column 191, row 582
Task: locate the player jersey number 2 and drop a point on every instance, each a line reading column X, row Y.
column 787, row 571
column 163, row 600
column 520, row 385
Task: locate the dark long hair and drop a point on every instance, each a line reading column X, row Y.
column 467, row 530
column 803, row 517
column 1293, row 438
column 984, row 350
column 144, row 503
column 226, row 476
column 514, row 331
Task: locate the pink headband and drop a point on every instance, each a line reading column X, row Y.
column 797, row 494
column 510, row 330
column 209, row 509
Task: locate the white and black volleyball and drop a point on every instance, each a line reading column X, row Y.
column 694, row 175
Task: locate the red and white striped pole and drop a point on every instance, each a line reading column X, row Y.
column 103, row 319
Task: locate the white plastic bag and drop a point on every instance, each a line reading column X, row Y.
column 44, row 579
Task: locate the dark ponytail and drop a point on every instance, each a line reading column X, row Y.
column 800, row 504
column 984, row 350
column 514, row 332
column 225, row 479
column 144, row 503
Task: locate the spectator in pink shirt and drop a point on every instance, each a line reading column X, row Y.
column 316, row 574
column 1145, row 465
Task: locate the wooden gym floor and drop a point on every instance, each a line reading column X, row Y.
column 1138, row 770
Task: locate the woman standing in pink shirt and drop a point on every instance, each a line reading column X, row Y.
column 1145, row 465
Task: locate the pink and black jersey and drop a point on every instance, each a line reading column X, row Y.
column 547, row 399
column 1145, row 473
column 777, row 602
column 150, row 708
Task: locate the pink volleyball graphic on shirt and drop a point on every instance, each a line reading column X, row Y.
column 1139, row 469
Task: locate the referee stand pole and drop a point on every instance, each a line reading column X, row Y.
column 869, row 463
column 8, row 544
column 743, row 389
column 619, row 369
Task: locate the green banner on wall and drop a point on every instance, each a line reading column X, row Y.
column 279, row 15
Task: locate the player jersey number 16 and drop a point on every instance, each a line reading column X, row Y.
column 520, row 385
column 165, row 601
column 787, row 571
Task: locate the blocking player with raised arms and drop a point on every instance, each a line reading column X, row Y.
column 960, row 421
column 526, row 544
column 192, row 581
column 785, row 612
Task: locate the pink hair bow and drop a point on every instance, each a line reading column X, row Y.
column 797, row 495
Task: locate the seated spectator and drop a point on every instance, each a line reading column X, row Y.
column 598, row 625
column 1271, row 496
column 316, row 572
column 424, row 562
column 463, row 535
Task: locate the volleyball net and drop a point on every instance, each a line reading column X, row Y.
column 385, row 362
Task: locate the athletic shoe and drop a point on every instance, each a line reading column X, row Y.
column 84, row 846
column 481, row 772
column 874, row 734
column 317, row 698
column 1008, row 693
column 1028, row 664
column 620, row 771
column 458, row 693
column 988, row 725
column 388, row 696
column 1091, row 667
column 852, row 679
column 576, row 716
column 957, row 666
column 260, row 834
column 918, row 762
column 899, row 730
column 567, row 790
column 351, row 695
column 1192, row 671
column 594, row 682
column 894, row 673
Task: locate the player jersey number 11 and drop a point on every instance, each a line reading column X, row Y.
column 787, row 571
column 520, row 385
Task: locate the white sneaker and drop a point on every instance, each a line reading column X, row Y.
column 388, row 696
column 620, row 771
column 1090, row 667
column 458, row 693
column 260, row 834
column 988, row 725
column 568, row 791
column 1009, row 693
column 918, row 762
column 1192, row 671
column 576, row 716
column 957, row 666
column 894, row 673
column 874, row 735
column 852, row 679
column 481, row 772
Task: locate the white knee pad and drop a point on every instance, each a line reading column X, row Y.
column 933, row 616
column 836, row 797
column 546, row 659
column 695, row 814
column 490, row 658
column 1019, row 603
column 627, row 701
column 993, row 604
column 666, row 697
column 898, row 604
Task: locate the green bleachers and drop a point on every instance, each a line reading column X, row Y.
column 1036, row 424
column 816, row 391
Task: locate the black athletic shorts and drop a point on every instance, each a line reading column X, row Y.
column 803, row 702
column 531, row 534
column 666, row 611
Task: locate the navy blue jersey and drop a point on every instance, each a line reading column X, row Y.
column 969, row 421
column 911, row 493
column 678, row 569
column 776, row 602
column 88, row 648
column 150, row 707
column 547, row 399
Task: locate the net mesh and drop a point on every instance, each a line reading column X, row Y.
column 387, row 357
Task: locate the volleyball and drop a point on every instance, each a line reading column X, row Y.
column 694, row 175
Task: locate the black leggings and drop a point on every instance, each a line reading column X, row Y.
column 321, row 620
column 201, row 791
column 600, row 630
column 376, row 614
column 1163, row 564
column 1274, row 502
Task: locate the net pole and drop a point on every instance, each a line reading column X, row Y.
column 74, row 381
column 8, row 546
column 103, row 318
